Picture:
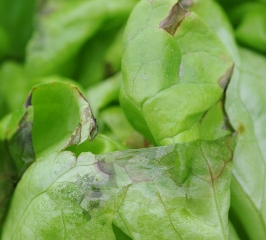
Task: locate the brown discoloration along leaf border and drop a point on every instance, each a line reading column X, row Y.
column 174, row 19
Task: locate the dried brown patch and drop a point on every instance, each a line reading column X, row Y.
column 174, row 19
column 223, row 80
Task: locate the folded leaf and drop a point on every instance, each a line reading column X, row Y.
column 174, row 69
column 179, row 191
column 62, row 117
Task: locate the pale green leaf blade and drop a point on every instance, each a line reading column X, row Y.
column 179, row 191
column 245, row 105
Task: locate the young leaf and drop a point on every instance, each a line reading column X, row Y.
column 178, row 191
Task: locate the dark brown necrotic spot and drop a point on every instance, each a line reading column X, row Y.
column 174, row 19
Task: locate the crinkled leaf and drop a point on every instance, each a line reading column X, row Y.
column 245, row 105
column 174, row 70
column 175, row 192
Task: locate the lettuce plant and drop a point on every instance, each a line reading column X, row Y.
column 133, row 120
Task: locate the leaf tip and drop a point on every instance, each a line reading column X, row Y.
column 174, row 19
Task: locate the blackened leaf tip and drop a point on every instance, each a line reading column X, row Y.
column 174, row 19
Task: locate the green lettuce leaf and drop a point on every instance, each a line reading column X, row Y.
column 103, row 98
column 174, row 69
column 61, row 116
column 118, row 128
column 250, row 25
column 16, row 26
column 104, row 94
column 101, row 56
column 178, row 191
column 246, row 85
column 101, row 144
column 245, row 105
column 64, row 27
column 14, row 87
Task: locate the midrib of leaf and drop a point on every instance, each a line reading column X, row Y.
column 62, row 217
column 225, row 235
column 167, row 212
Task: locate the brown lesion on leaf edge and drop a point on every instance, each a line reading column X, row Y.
column 224, row 79
column 28, row 101
column 176, row 15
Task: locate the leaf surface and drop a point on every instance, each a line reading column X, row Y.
column 245, row 105
column 171, row 77
column 64, row 27
column 179, row 191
